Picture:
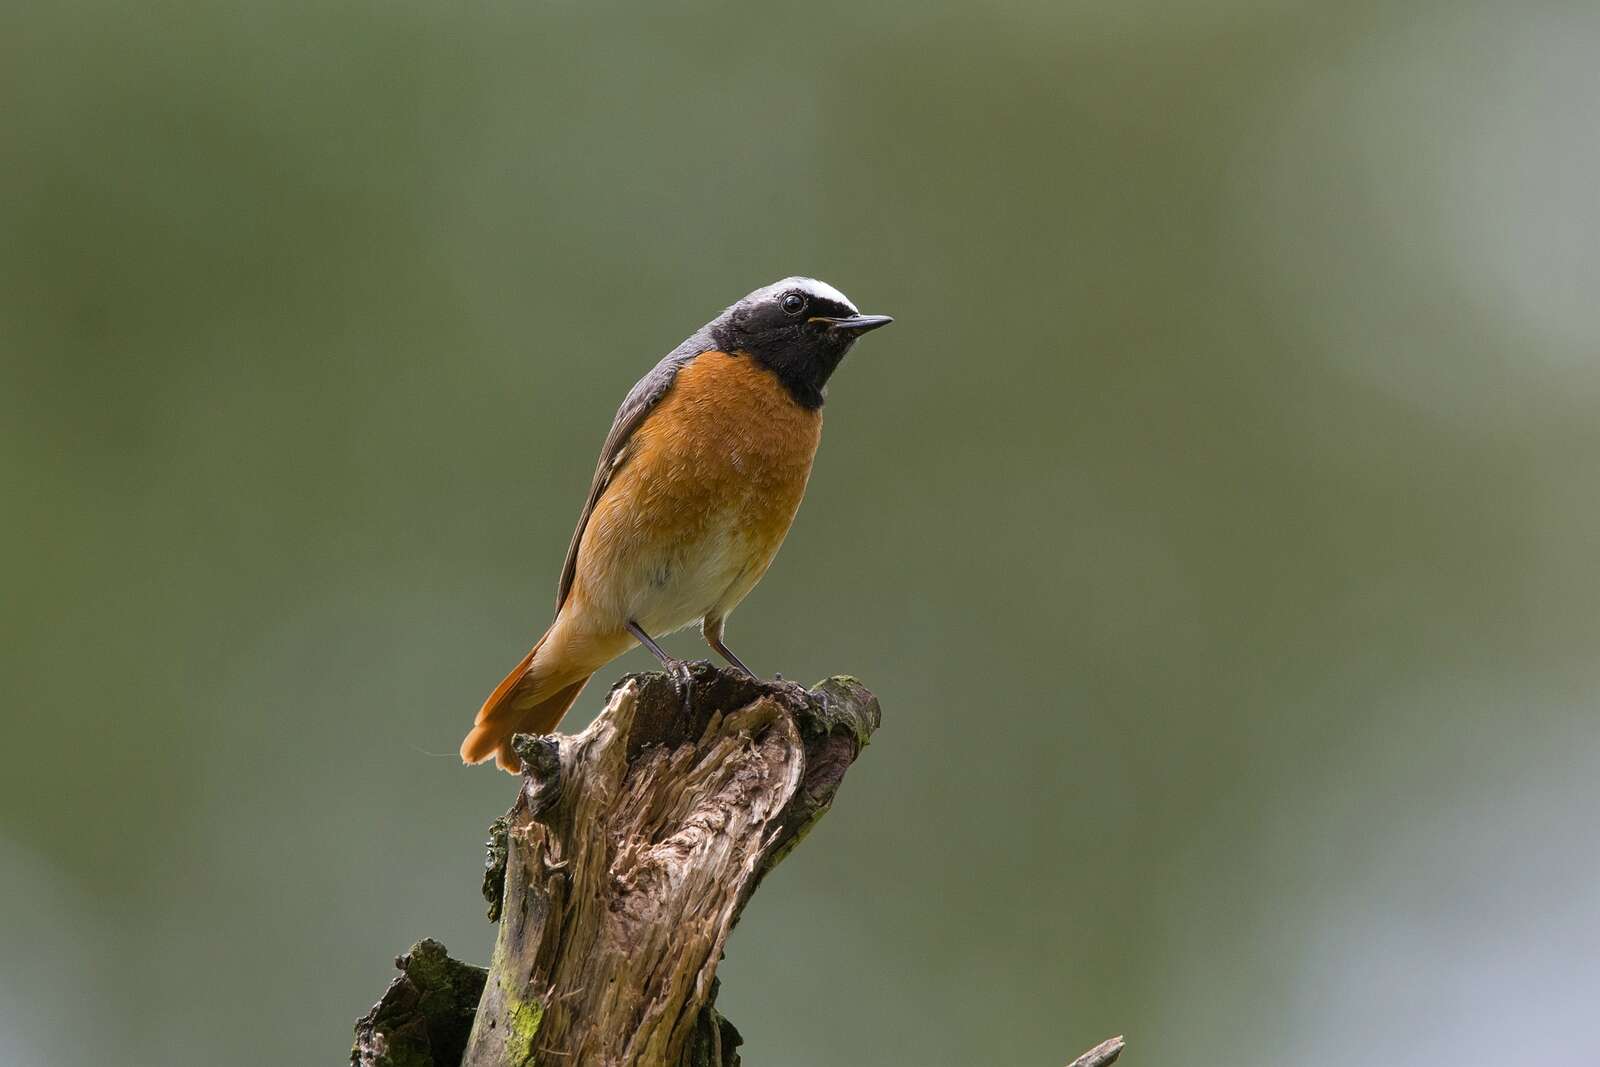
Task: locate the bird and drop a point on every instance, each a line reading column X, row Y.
column 697, row 485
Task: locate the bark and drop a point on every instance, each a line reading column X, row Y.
column 425, row 1015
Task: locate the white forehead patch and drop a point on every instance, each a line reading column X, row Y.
column 821, row 290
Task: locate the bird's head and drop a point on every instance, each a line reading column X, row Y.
column 799, row 327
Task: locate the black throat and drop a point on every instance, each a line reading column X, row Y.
column 802, row 362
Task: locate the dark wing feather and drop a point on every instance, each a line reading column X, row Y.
column 641, row 400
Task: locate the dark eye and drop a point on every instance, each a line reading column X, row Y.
column 793, row 304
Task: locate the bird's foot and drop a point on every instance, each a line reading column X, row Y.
column 682, row 675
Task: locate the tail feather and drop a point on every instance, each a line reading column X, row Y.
column 517, row 707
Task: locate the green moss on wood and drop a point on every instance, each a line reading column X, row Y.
column 522, row 1029
column 494, row 867
column 425, row 1015
column 842, row 703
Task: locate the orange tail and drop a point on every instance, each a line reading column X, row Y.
column 515, row 708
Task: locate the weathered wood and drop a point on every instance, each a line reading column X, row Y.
column 1102, row 1055
column 630, row 853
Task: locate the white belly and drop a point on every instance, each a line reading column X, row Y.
column 677, row 585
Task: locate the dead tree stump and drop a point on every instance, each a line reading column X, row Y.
column 620, row 871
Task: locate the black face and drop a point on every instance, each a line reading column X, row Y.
column 801, row 335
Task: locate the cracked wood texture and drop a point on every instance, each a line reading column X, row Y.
column 630, row 852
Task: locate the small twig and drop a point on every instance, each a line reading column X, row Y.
column 1106, row 1052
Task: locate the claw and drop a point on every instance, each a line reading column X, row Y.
column 681, row 673
column 683, row 677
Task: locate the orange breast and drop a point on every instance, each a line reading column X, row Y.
column 708, row 489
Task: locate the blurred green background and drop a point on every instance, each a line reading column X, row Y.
column 1218, row 523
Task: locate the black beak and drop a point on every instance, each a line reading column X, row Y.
column 855, row 324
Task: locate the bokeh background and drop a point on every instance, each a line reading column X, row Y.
column 1218, row 523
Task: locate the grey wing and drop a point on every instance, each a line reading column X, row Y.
column 641, row 399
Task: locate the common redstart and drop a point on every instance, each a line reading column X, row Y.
column 698, row 482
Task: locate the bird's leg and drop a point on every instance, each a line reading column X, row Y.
column 682, row 677
column 711, row 630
